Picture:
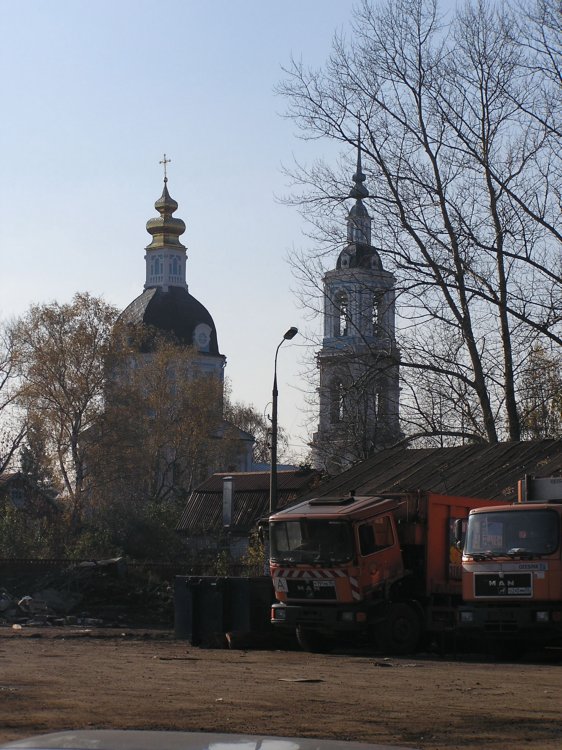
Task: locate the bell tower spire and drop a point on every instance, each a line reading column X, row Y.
column 358, row 219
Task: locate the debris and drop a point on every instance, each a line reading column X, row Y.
column 33, row 605
column 106, row 593
column 60, row 601
column 300, row 679
column 6, row 601
column 177, row 658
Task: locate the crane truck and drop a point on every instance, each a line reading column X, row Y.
column 384, row 569
column 512, row 568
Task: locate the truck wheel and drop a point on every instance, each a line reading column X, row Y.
column 400, row 633
column 314, row 641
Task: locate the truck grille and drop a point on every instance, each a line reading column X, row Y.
column 307, row 588
column 505, row 585
column 502, row 621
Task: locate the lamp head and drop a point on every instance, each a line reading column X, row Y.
column 291, row 333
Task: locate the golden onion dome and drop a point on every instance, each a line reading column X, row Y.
column 165, row 229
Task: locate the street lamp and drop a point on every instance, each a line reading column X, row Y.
column 287, row 336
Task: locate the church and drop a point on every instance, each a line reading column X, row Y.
column 166, row 308
column 359, row 360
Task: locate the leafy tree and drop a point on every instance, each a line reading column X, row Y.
column 161, row 433
column 246, row 417
column 24, row 534
column 61, row 355
column 461, row 122
column 162, row 428
column 12, row 424
column 541, row 391
column 36, row 463
column 254, row 558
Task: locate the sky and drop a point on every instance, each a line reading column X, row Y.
column 94, row 93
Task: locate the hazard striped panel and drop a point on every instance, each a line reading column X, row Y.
column 315, row 574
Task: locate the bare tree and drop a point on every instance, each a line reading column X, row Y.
column 540, row 30
column 461, row 158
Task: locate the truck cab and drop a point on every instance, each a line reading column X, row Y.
column 512, row 567
column 382, row 569
column 328, row 557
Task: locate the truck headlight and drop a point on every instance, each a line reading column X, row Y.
column 541, row 616
column 348, row 616
column 467, row 617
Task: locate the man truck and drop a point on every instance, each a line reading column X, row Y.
column 512, row 569
column 386, row 569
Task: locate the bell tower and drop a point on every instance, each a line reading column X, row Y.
column 359, row 360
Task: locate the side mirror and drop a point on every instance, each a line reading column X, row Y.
column 460, row 532
column 263, row 531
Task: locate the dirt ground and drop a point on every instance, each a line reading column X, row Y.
column 53, row 679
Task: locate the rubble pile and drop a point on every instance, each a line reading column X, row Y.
column 105, row 593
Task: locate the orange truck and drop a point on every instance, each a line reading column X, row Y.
column 512, row 568
column 385, row 569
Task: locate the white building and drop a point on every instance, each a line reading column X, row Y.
column 359, row 360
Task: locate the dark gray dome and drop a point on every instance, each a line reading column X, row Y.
column 174, row 312
column 358, row 210
column 359, row 255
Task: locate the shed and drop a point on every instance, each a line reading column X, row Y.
column 211, row 519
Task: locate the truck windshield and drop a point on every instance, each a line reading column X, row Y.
column 516, row 533
column 321, row 542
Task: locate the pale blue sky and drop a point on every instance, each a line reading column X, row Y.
column 93, row 93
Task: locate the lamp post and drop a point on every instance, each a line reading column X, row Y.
column 287, row 336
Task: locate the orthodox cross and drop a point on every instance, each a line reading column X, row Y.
column 165, row 161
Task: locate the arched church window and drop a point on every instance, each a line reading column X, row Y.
column 376, row 313
column 336, row 402
column 342, row 312
column 356, row 232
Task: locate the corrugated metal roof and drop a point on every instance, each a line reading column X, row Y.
column 203, row 511
column 258, row 480
column 487, row 471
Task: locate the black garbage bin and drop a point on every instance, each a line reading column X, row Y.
column 207, row 608
column 250, row 602
column 199, row 609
